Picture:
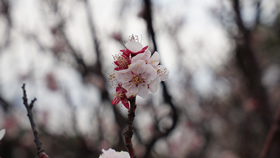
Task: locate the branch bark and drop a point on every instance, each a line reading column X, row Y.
column 129, row 129
column 40, row 150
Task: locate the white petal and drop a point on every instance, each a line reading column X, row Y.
column 134, row 46
column 138, row 67
column 123, row 75
column 132, row 91
column 149, row 74
column 137, row 57
column 122, row 155
column 143, row 91
column 154, row 60
column 147, row 55
column 142, row 56
column 108, row 153
column 153, row 86
column 2, row 133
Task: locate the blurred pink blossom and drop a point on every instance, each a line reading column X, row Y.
column 111, row 153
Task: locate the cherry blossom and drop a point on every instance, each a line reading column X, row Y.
column 136, row 78
column 111, row 153
column 120, row 96
column 137, row 72
column 2, row 133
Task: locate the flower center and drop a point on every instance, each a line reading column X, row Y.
column 136, row 79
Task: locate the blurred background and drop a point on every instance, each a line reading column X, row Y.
column 219, row 101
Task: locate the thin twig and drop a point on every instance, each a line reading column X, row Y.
column 129, row 130
column 40, row 150
column 271, row 134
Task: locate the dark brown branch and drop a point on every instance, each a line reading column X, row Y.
column 40, row 150
column 129, row 130
column 269, row 138
column 148, row 18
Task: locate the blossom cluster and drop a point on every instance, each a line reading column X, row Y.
column 111, row 153
column 137, row 72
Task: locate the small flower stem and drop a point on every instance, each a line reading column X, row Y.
column 129, row 129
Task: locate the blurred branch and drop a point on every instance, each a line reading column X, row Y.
column 167, row 96
column 93, row 33
column 248, row 65
column 258, row 12
column 148, row 18
column 239, row 21
column 271, row 134
column 98, row 67
column 73, row 113
column 4, row 104
column 252, row 73
column 129, row 130
column 5, row 11
column 77, row 57
column 88, row 70
column 40, row 150
column 159, row 135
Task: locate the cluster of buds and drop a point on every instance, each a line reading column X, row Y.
column 137, row 72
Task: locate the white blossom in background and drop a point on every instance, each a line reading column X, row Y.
column 111, row 153
column 2, row 133
column 137, row 72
